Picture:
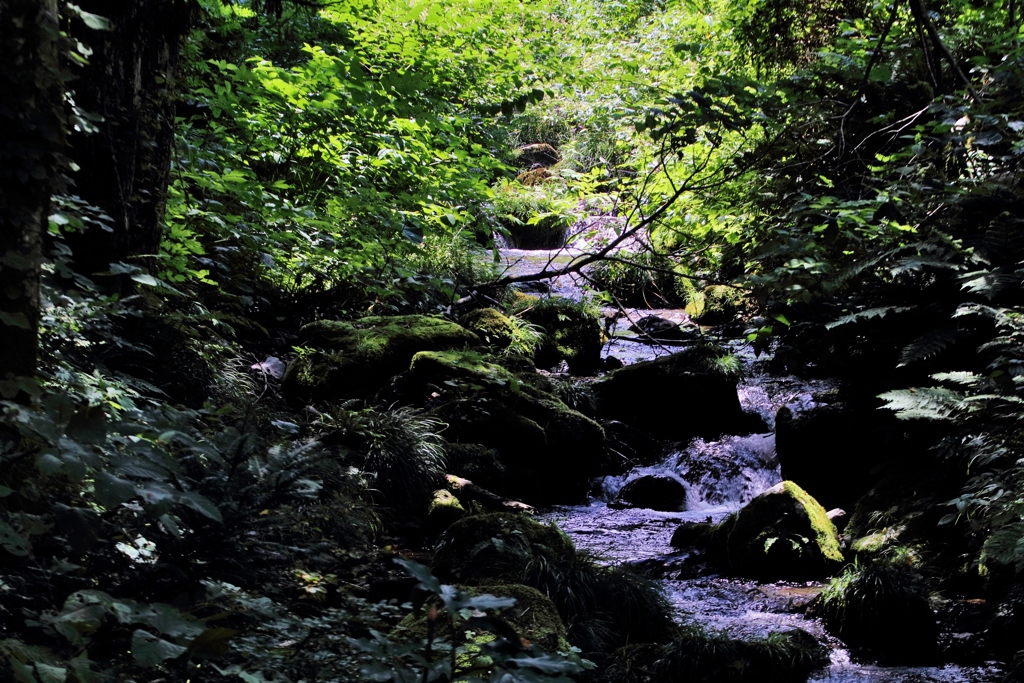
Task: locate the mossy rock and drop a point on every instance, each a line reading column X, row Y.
column 352, row 359
column 466, row 366
column 443, row 511
column 881, row 609
column 550, row 451
column 781, row 534
column 534, row 176
column 491, row 325
column 571, row 333
column 686, row 394
column 497, row 546
column 716, row 304
column 698, row 655
column 533, row 617
column 694, row 535
column 605, row 607
column 480, row 464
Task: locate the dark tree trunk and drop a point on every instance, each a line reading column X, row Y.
column 31, row 162
column 125, row 167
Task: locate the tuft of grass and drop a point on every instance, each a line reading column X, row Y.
column 405, row 455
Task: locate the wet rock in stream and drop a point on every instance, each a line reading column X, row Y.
column 656, row 492
column 687, row 394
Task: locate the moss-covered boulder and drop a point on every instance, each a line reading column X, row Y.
column 881, row 610
column 452, row 366
column 781, row 534
column 690, row 393
column 699, row 655
column 480, row 464
column 443, row 511
column 533, row 617
column 497, row 547
column 571, row 333
column 353, row 359
column 491, row 325
column 716, row 304
column 605, row 607
column 550, row 451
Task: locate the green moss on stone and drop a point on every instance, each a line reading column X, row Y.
column 716, row 304
column 491, row 325
column 347, row 359
column 781, row 534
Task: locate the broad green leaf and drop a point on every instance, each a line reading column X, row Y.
column 148, row 650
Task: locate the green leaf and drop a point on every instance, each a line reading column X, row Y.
column 15, row 320
column 111, row 491
column 149, row 650
column 202, row 505
column 145, row 279
column 93, row 21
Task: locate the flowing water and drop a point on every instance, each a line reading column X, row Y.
column 719, row 476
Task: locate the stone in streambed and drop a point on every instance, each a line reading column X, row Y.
column 655, row 492
column 781, row 534
column 686, row 394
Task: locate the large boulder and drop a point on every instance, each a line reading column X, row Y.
column 353, row 359
column 604, row 607
column 491, row 325
column 716, row 304
column 686, row 394
column 532, row 617
column 655, row 492
column 549, row 450
column 571, row 333
column 699, row 655
column 832, row 450
column 498, row 546
column 781, row 534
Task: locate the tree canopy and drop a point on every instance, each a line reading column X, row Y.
column 185, row 184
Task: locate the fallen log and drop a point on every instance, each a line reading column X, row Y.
column 464, row 488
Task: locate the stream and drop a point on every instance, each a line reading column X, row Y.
column 720, row 476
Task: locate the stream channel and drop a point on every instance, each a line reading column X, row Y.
column 732, row 470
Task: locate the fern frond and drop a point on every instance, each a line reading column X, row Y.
column 923, row 403
column 968, row 379
column 989, row 283
column 917, row 263
column 926, row 346
column 1001, row 316
column 867, row 314
column 1006, row 545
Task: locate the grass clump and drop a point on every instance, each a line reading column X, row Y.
column 881, row 608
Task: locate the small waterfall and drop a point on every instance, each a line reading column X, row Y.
column 716, row 474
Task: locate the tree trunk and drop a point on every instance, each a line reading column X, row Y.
column 31, row 162
column 125, row 167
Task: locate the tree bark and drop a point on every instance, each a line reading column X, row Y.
column 31, row 164
column 125, row 167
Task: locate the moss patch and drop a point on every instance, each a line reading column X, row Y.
column 492, row 326
column 349, row 359
column 781, row 534
column 716, row 304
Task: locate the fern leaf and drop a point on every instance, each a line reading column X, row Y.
column 867, row 314
column 968, row 379
column 989, row 283
column 916, row 263
column 926, row 346
column 923, row 403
